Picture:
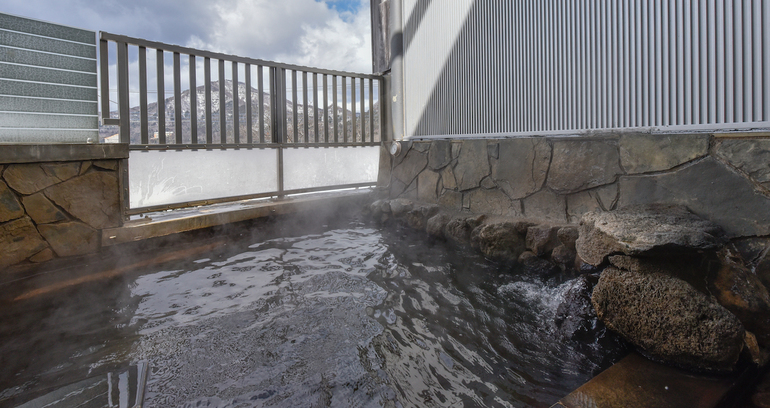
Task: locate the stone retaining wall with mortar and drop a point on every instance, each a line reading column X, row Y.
column 722, row 178
column 55, row 200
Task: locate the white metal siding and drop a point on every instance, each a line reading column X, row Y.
column 479, row 67
column 47, row 82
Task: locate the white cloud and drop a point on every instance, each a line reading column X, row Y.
column 306, row 32
column 303, row 32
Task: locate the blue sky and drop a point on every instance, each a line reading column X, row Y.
column 332, row 34
column 350, row 6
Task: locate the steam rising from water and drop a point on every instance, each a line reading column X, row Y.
column 347, row 317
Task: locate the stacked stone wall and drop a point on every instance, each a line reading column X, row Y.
column 52, row 209
column 722, row 178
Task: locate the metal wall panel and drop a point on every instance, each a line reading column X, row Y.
column 48, row 82
column 491, row 67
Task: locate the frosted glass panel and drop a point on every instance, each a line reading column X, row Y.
column 329, row 166
column 166, row 177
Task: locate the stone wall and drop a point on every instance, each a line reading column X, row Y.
column 54, row 201
column 722, row 178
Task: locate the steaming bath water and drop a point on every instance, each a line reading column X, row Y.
column 349, row 316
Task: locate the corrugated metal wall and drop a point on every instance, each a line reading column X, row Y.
column 47, row 82
column 568, row 66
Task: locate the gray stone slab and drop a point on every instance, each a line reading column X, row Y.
column 751, row 156
column 642, row 153
column 710, row 190
column 580, row 165
column 545, row 206
column 522, row 166
column 427, row 185
column 440, row 154
column 472, row 164
column 483, row 201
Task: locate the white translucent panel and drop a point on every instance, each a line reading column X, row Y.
column 329, row 166
column 167, row 177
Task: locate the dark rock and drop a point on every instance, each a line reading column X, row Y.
column 580, row 165
column 400, row 206
column 500, row 241
column 472, row 164
column 542, row 239
column 567, row 236
column 42, row 209
column 758, row 355
column 436, row 224
column 644, row 230
column 10, row 208
column 375, row 209
column 691, row 268
column 92, row 198
column 709, row 189
column 459, row 228
column 669, row 319
column 534, row 265
column 418, row 217
column 440, row 154
column 564, row 257
column 545, row 206
column 71, row 238
column 19, row 240
column 575, row 316
column 741, row 292
column 648, row 153
column 522, row 167
column 762, row 270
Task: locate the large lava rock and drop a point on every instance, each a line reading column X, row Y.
column 741, row 292
column 501, row 240
column 647, row 230
column 668, row 319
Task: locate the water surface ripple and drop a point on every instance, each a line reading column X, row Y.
column 348, row 317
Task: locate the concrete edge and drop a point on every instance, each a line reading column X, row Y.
column 139, row 230
column 40, row 153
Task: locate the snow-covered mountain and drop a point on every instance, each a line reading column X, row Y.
column 229, row 101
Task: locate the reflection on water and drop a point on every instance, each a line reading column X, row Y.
column 352, row 316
